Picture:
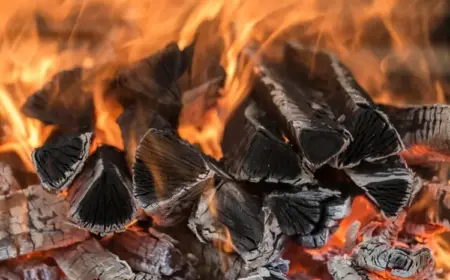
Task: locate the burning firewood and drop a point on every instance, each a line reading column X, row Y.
column 329, row 84
column 422, row 125
column 232, row 216
column 58, row 163
column 62, row 101
column 33, row 220
column 101, row 199
column 8, row 183
column 251, row 138
column 168, row 175
column 148, row 254
column 317, row 139
column 388, row 183
column 309, row 213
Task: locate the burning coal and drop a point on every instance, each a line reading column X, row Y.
column 224, row 139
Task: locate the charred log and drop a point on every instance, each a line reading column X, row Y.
column 151, row 255
column 37, row 270
column 62, row 101
column 101, row 199
column 58, row 163
column 230, row 212
column 343, row 268
column 8, row 183
column 168, row 175
column 33, row 220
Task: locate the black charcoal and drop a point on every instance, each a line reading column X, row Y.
column 59, row 162
column 168, row 175
column 101, row 198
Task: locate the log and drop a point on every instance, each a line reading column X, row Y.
column 101, row 199
column 58, row 163
column 8, row 183
column 284, row 101
column 151, row 255
column 168, row 176
column 32, row 220
column 332, row 88
column 228, row 214
column 62, row 101
column 37, row 270
column 89, row 260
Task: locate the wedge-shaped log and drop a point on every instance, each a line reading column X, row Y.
column 33, row 220
column 309, row 213
column 427, row 125
column 231, row 215
column 101, row 199
column 58, row 163
column 89, row 260
column 62, row 101
column 168, row 176
column 332, row 88
column 254, row 150
column 388, row 183
column 318, row 140
column 148, row 254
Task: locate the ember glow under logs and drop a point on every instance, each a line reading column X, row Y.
column 251, row 140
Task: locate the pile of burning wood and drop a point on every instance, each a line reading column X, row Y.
column 305, row 142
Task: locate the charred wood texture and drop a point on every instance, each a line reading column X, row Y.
column 37, row 270
column 427, row 125
column 89, row 260
column 251, row 138
column 317, row 139
column 388, row 183
column 168, row 175
column 8, row 183
column 310, row 214
column 62, row 101
column 151, row 255
column 229, row 212
column 32, row 220
column 101, row 199
column 58, row 163
column 334, row 92
column 343, row 268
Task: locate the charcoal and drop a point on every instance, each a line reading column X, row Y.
column 229, row 212
column 148, row 254
column 254, row 151
column 307, row 210
column 333, row 89
column 101, row 199
column 32, row 220
column 168, row 175
column 155, row 77
column 317, row 139
column 8, row 183
column 426, row 125
column 343, row 268
column 58, row 163
column 277, row 270
column 388, row 183
column 62, row 101
column 89, row 260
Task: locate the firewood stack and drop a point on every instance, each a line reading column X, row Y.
column 305, row 142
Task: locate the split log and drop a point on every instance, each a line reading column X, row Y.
column 58, row 162
column 33, row 220
column 148, row 254
column 62, row 101
column 254, row 150
column 332, row 88
column 168, row 176
column 317, row 138
column 89, row 260
column 427, row 125
column 228, row 214
column 388, row 183
column 101, row 199
column 309, row 213
column 8, row 183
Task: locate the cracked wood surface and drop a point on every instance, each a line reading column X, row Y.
column 33, row 220
column 8, row 183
